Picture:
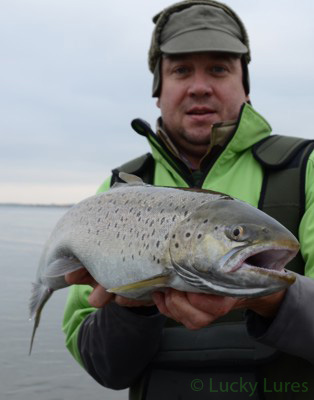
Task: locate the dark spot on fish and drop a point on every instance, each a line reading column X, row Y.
column 132, row 257
column 162, row 220
column 139, row 219
column 216, row 227
column 153, row 233
column 177, row 245
column 118, row 234
column 99, row 209
column 139, row 253
column 131, row 209
column 199, row 236
column 116, row 224
column 158, row 243
column 154, row 258
column 131, row 230
column 99, row 201
column 158, row 261
column 147, row 247
column 188, row 234
column 107, row 214
column 123, row 259
column 88, row 231
column 98, row 243
column 143, row 236
column 166, row 236
column 116, row 210
column 138, row 214
column 174, row 218
column 121, row 252
column 149, row 209
column 162, row 210
column 173, row 236
column 98, row 220
column 130, row 244
column 186, row 213
column 152, row 223
column 126, row 202
column 97, row 232
column 205, row 221
column 123, row 237
column 188, row 220
column 108, row 226
column 146, row 222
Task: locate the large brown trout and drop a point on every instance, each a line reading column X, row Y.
column 136, row 238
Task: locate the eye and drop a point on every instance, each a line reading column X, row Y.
column 236, row 233
column 181, row 70
column 219, row 70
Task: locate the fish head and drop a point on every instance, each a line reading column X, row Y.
column 230, row 247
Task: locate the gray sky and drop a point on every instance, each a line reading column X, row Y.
column 74, row 74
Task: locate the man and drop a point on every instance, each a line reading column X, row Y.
column 199, row 56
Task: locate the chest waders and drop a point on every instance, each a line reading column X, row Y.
column 222, row 361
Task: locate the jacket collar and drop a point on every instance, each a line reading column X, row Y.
column 237, row 136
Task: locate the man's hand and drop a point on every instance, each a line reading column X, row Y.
column 196, row 310
column 99, row 296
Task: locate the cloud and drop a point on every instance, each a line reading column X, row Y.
column 74, row 74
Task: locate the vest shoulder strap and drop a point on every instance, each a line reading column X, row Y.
column 143, row 167
column 284, row 161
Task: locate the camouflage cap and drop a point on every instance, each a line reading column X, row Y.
column 196, row 26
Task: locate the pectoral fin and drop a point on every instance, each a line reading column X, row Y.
column 157, row 281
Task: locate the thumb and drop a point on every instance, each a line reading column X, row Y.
column 100, row 297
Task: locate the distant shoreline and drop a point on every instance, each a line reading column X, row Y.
column 35, row 205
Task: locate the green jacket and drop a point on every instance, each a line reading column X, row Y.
column 234, row 172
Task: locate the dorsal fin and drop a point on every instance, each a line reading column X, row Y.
column 129, row 178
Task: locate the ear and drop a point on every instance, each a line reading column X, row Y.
column 158, row 102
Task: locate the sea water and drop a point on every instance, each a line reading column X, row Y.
column 50, row 373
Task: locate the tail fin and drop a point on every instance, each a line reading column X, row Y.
column 40, row 295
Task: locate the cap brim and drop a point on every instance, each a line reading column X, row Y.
column 204, row 40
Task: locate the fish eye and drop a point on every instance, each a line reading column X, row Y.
column 235, row 232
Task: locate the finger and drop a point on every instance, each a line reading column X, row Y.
column 182, row 310
column 100, row 297
column 159, row 300
column 79, row 277
column 215, row 305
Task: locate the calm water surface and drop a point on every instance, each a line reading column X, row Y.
column 50, row 373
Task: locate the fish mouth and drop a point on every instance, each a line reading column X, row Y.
column 269, row 261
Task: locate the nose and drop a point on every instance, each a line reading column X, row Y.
column 200, row 86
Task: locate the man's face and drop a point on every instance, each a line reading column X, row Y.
column 197, row 91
